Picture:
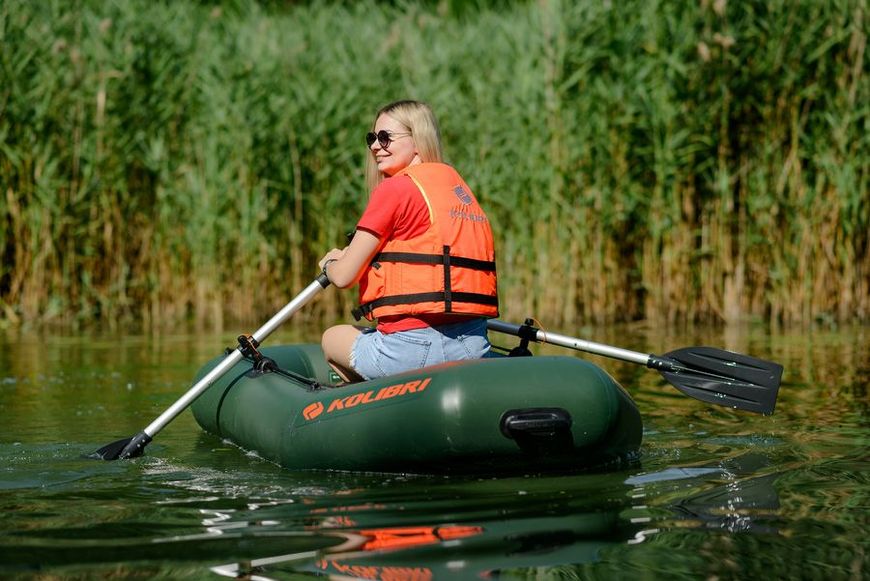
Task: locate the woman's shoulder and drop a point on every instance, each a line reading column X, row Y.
column 393, row 199
column 393, row 186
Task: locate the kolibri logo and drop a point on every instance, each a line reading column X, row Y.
column 314, row 410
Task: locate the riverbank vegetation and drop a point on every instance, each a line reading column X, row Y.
column 702, row 160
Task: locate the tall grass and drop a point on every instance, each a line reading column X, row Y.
column 665, row 160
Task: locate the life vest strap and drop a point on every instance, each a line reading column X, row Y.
column 447, row 296
column 432, row 297
column 416, row 258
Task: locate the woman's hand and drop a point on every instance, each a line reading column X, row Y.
column 345, row 266
column 334, row 254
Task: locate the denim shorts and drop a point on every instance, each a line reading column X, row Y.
column 375, row 354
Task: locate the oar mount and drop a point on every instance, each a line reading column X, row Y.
column 526, row 332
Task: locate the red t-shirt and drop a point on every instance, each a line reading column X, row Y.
column 397, row 211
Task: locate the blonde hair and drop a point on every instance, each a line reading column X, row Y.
column 420, row 121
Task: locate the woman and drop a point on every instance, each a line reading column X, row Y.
column 422, row 254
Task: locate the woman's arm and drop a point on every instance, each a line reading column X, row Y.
column 346, row 265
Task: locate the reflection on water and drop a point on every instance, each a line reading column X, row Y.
column 569, row 529
column 717, row 493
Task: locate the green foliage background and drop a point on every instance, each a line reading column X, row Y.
column 670, row 160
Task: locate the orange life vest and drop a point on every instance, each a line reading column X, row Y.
column 450, row 268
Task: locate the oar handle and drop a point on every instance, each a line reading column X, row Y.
column 320, row 283
column 539, row 336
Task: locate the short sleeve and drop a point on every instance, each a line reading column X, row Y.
column 396, row 210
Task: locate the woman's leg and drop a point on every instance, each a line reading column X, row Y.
column 337, row 343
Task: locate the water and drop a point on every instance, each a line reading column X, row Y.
column 717, row 494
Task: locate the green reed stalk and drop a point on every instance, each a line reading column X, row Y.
column 674, row 161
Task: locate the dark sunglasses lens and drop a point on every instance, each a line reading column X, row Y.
column 383, row 137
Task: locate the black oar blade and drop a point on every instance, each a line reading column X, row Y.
column 726, row 378
column 729, row 364
column 733, row 394
column 122, row 449
column 110, row 451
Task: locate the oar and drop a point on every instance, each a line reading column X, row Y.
column 133, row 447
column 712, row 375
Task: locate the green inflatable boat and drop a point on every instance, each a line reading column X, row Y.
column 503, row 414
column 491, row 416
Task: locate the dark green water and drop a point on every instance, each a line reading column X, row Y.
column 718, row 494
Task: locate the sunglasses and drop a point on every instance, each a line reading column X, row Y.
column 383, row 137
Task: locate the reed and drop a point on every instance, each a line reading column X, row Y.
column 674, row 161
